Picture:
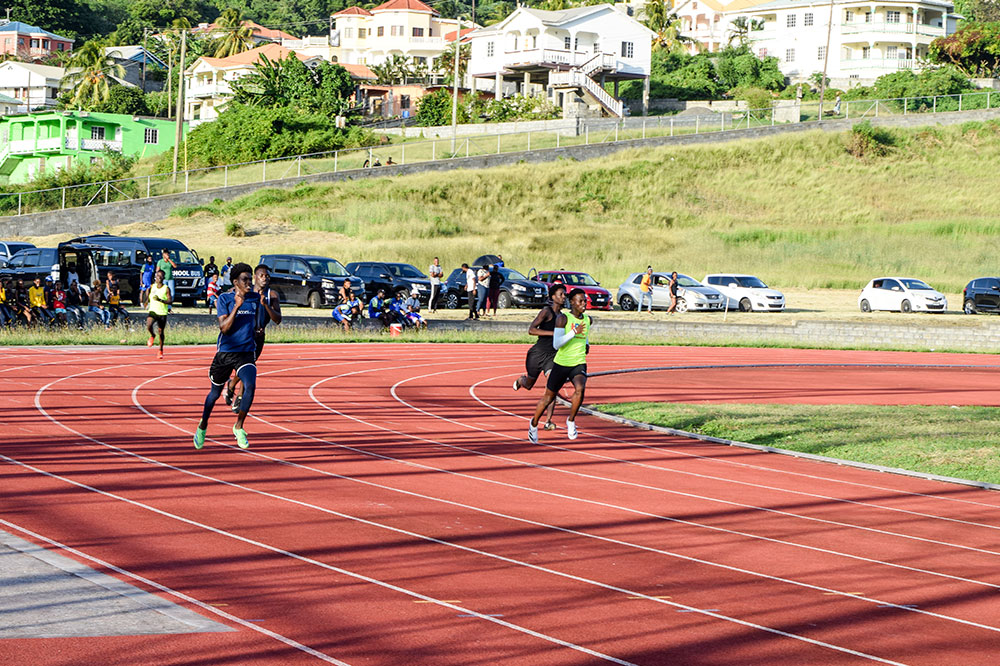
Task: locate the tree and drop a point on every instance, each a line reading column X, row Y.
column 393, row 70
column 69, row 18
column 90, row 75
column 434, row 109
column 742, row 29
column 124, row 99
column 666, row 24
column 978, row 10
column 974, row 49
column 289, row 83
column 445, row 63
column 165, row 12
column 237, row 35
column 738, row 67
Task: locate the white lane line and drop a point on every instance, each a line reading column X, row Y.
column 656, row 488
column 180, row 595
column 347, row 573
column 710, row 477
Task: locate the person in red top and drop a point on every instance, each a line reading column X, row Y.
column 59, row 302
column 212, row 292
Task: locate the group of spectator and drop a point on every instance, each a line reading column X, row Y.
column 404, row 312
column 483, row 288
column 47, row 302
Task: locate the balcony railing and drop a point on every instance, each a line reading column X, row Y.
column 101, row 144
column 891, row 28
column 546, row 57
column 891, row 64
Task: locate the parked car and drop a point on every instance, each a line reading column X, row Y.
column 691, row 294
column 55, row 262
column 393, row 277
column 304, row 279
column 900, row 294
column 981, row 295
column 745, row 292
column 124, row 257
column 598, row 298
column 516, row 291
column 9, row 248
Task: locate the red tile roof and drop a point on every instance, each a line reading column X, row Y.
column 258, row 31
column 405, row 5
column 450, row 36
column 272, row 51
column 355, row 11
column 358, row 71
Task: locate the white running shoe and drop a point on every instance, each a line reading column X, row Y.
column 571, row 429
column 517, row 385
column 532, row 433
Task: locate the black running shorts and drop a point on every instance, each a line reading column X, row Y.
column 539, row 360
column 225, row 363
column 158, row 320
column 561, row 374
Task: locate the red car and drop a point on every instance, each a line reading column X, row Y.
column 598, row 298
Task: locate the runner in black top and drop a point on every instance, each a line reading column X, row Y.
column 542, row 353
column 673, row 293
column 270, row 311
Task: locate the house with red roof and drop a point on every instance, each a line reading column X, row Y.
column 261, row 35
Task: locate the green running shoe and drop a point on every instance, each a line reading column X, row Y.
column 241, row 438
column 199, row 438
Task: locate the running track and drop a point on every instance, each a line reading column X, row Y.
column 391, row 511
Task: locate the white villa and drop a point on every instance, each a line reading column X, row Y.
column 34, row 86
column 397, row 27
column 868, row 39
column 706, row 24
column 570, row 53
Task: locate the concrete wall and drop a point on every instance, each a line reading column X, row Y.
column 566, row 127
column 95, row 218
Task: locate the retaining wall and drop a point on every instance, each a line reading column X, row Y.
column 76, row 221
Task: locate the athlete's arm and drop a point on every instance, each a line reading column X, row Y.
column 543, row 316
column 273, row 307
column 226, row 321
column 561, row 336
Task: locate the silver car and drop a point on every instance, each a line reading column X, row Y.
column 691, row 294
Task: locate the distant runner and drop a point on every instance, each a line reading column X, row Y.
column 542, row 353
column 156, row 312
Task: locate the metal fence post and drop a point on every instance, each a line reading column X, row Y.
column 149, row 185
column 225, row 176
column 498, row 143
column 643, row 128
column 959, row 101
column 586, row 137
column 557, row 139
column 299, row 174
column 876, row 108
column 186, row 174
column 336, row 154
column 64, row 198
column 466, row 146
column 18, row 203
column 529, row 139
column 433, row 150
column 263, row 171
column 402, row 157
column 697, row 123
column 934, row 110
column 671, row 127
column 616, row 131
column 904, row 106
column 988, row 99
column 722, row 121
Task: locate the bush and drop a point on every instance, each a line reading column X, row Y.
column 235, row 229
column 756, row 98
column 866, row 140
column 122, row 99
column 434, row 109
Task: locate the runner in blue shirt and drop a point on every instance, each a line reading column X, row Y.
column 236, row 350
column 269, row 310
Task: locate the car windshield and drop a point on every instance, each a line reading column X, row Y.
column 577, row 279
column 685, row 281
column 179, row 256
column 511, row 274
column 406, row 270
column 916, row 285
column 327, row 267
column 750, row 282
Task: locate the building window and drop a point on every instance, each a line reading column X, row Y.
column 821, row 53
column 45, row 42
column 807, row 20
column 97, row 133
column 430, row 32
column 848, row 16
column 381, row 31
column 576, row 43
column 489, row 49
column 892, row 17
column 348, row 33
column 762, row 52
column 361, row 33
column 404, row 101
column 418, row 32
column 566, row 43
column 790, row 21
column 628, row 49
column 868, row 17
column 151, row 136
column 789, row 55
column 866, row 52
column 892, row 52
column 597, row 47
column 534, row 41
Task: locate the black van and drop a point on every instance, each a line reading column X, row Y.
column 125, row 256
column 57, row 263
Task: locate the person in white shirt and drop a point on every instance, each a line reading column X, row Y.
column 483, row 287
column 436, row 273
column 470, row 290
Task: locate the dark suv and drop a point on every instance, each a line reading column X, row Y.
column 393, row 277
column 516, row 291
column 981, row 295
column 303, row 279
column 55, row 262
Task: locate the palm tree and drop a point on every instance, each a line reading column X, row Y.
column 658, row 17
column 91, row 74
column 742, row 29
column 237, row 36
column 445, row 63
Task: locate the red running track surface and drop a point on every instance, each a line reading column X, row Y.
column 390, row 510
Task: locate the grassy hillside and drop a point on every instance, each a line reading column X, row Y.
column 799, row 211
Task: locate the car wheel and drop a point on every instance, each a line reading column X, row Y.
column 682, row 305
column 745, row 305
column 626, row 302
column 504, row 300
column 905, row 307
column 866, row 306
column 970, row 306
column 315, row 300
column 451, row 301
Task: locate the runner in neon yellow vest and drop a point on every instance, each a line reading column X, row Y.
column 571, row 339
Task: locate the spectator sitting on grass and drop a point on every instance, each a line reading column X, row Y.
column 397, row 308
column 76, row 303
column 348, row 311
column 6, row 313
column 59, row 303
column 39, row 302
column 19, row 302
column 96, row 307
column 376, row 307
column 412, row 307
column 115, row 306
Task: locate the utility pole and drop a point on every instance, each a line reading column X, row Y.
column 145, row 58
column 454, row 101
column 826, row 58
column 180, row 101
column 170, row 82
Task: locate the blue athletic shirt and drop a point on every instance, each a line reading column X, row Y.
column 240, row 336
column 262, row 317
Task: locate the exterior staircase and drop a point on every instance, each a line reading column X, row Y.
column 580, row 78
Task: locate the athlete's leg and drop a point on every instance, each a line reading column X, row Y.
column 247, row 375
column 543, row 403
column 548, row 420
column 149, row 327
column 580, row 384
column 163, row 326
column 526, row 381
column 210, row 400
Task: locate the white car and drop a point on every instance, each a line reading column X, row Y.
column 901, row 295
column 746, row 292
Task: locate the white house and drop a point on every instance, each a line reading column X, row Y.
column 572, row 53
column 705, row 23
column 867, row 40
column 36, row 86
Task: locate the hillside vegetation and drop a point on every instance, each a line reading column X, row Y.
column 799, row 211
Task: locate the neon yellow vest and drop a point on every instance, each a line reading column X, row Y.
column 574, row 352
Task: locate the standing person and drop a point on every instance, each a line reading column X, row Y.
column 470, row 290
column 210, row 268
column 673, row 293
column 542, row 354
column 146, row 280
column 156, row 312
column 167, row 265
column 496, row 280
column 345, row 292
column 269, row 310
column 571, row 339
column 225, row 274
column 798, row 93
column 482, row 288
column 836, row 105
column 646, row 290
column 499, row 261
column 95, row 305
column 38, row 301
column 212, row 292
column 435, row 273
column 235, row 352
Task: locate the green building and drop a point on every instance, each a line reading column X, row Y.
column 34, row 143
